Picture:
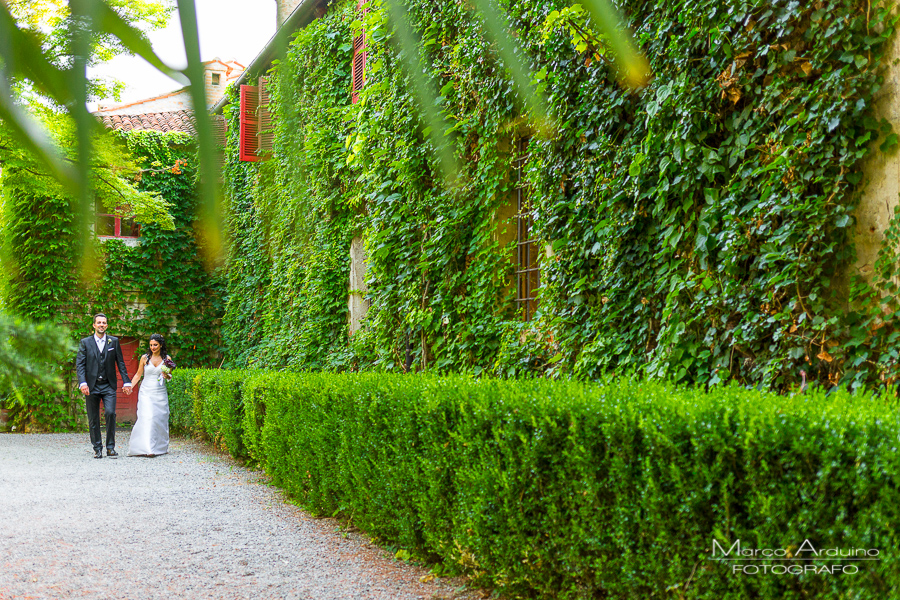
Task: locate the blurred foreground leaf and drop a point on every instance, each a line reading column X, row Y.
column 23, row 55
column 30, row 353
column 632, row 68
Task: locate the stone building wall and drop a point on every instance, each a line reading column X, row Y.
column 882, row 174
column 285, row 8
column 357, row 303
column 217, row 74
column 171, row 102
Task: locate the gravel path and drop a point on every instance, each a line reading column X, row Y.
column 191, row 524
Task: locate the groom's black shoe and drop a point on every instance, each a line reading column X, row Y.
column 98, row 453
column 112, row 454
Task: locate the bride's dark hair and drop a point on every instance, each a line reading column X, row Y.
column 162, row 346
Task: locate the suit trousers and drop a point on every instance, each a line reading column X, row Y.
column 106, row 393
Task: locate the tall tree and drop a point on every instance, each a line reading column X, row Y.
column 51, row 24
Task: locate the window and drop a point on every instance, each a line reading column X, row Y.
column 215, row 78
column 249, row 141
column 358, row 69
column 113, row 226
column 266, row 121
column 220, row 130
column 257, row 122
column 220, row 133
column 528, row 275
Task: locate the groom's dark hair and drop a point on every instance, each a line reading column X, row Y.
column 99, row 315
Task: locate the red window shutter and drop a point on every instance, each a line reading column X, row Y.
column 249, row 142
column 266, row 118
column 358, row 69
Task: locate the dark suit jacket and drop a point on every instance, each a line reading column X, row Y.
column 87, row 363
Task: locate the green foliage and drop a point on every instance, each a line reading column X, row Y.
column 696, row 229
column 289, row 263
column 181, row 401
column 50, row 24
column 165, row 275
column 703, row 234
column 158, row 286
column 30, row 356
column 111, row 177
column 571, row 490
column 288, row 267
column 41, row 252
column 48, row 47
column 39, row 234
column 870, row 336
column 574, row 20
column 218, row 409
column 28, row 352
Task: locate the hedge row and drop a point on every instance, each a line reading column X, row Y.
column 571, row 490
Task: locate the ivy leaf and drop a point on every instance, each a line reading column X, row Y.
column 796, row 353
column 634, row 69
column 635, row 169
column 889, row 142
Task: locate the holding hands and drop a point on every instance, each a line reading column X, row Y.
column 86, row 390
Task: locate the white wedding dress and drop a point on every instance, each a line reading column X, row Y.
column 150, row 435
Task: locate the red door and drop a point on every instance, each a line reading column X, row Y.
column 126, row 406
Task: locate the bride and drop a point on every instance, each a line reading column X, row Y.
column 150, row 435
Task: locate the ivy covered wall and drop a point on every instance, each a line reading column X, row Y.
column 158, row 286
column 696, row 229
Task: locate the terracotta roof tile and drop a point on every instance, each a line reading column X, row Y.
column 176, row 120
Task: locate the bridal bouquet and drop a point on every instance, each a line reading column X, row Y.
column 166, row 368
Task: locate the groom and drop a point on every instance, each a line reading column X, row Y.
column 98, row 357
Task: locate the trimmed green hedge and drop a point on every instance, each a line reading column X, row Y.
column 209, row 403
column 571, row 490
column 181, row 403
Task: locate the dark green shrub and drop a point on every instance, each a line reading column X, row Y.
column 562, row 489
column 181, row 402
column 209, row 403
column 218, row 408
column 254, row 395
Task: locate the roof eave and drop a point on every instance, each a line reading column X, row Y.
column 303, row 15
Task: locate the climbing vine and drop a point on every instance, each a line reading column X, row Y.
column 157, row 286
column 292, row 218
column 697, row 229
column 705, row 231
column 161, row 285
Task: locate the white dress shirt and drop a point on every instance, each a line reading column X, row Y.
column 101, row 346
